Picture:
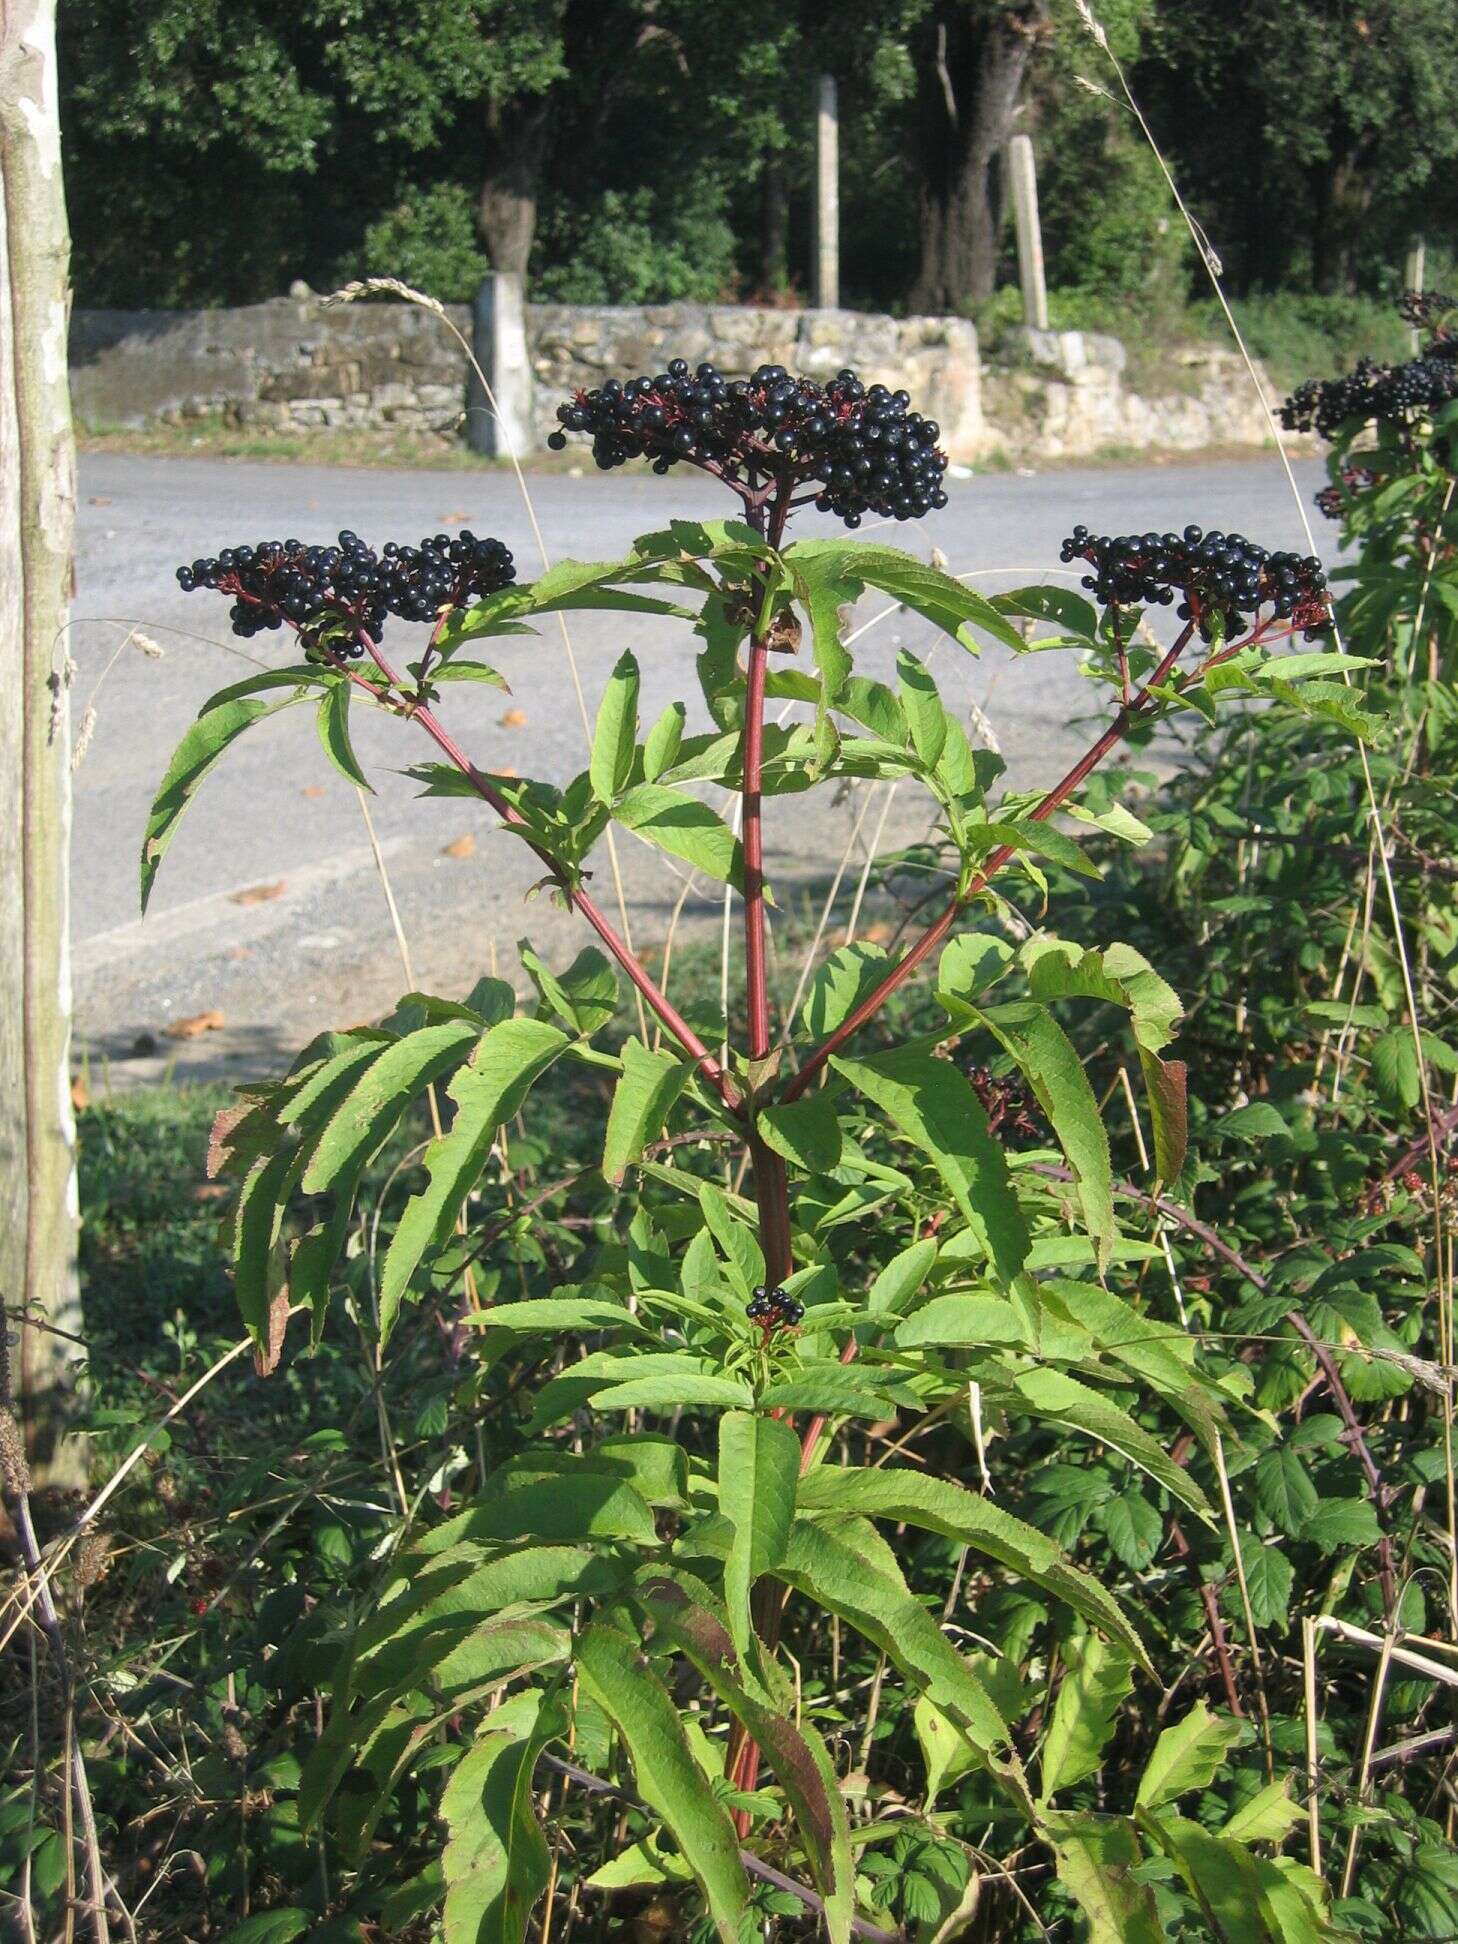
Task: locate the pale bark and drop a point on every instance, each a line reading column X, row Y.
column 38, row 1215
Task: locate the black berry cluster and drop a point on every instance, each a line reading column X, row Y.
column 1435, row 311
column 1213, row 574
column 1400, row 393
column 1007, row 1104
column 349, row 588
column 773, row 1310
column 1332, row 500
column 862, row 446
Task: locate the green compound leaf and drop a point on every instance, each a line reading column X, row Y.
column 649, row 1085
column 614, row 739
column 685, row 827
column 221, row 722
column 759, row 1464
column 333, row 727
column 938, row 1505
column 806, row 1132
column 796, row 1754
column 1095, row 1681
column 368, row 1114
column 934, row 1106
column 615, row 1674
column 1187, row 1756
column 487, row 1091
column 496, row 1862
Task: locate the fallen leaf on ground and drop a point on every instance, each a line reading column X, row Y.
column 463, row 846
column 211, row 1191
column 514, row 719
column 453, row 519
column 259, row 893
column 313, row 790
column 193, row 1028
column 239, row 952
column 80, row 1094
column 99, row 499
column 505, row 769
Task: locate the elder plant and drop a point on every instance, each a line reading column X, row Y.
column 707, row 1433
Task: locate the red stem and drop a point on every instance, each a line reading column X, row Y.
column 581, row 902
column 935, row 933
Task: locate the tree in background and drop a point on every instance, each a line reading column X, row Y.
column 1312, row 135
column 37, row 506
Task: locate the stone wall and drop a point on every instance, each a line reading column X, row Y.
column 292, row 364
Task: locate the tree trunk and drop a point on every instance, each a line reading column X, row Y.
column 37, row 509
column 517, row 133
column 971, row 67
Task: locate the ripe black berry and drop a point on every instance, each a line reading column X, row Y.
column 773, row 1310
column 349, row 588
column 863, row 446
column 1402, row 395
column 1214, row 574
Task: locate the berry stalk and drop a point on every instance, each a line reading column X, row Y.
column 660, row 1003
column 936, row 933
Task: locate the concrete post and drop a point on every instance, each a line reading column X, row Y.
column 1414, row 270
column 500, row 425
column 1023, row 187
column 827, row 195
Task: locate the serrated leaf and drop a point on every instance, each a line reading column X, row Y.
column 1342, row 1522
column 1060, row 1399
column 488, row 1090
column 496, row 1862
column 665, row 739
column 1133, row 1528
column 673, row 1393
column 366, row 1117
column 1187, row 1756
column 938, row 1505
column 925, row 716
column 1269, row 1577
column 1224, row 1877
column 963, row 1319
column 1096, row 1679
column 1071, row 611
column 615, row 1674
column 793, row 1749
column 1050, row 1064
column 947, row 603
column 806, row 1132
column 333, row 727
column 934, row 1106
column 615, row 736
column 1096, row 1858
column 1257, row 1121
column 820, row 1564
column 830, row 1389
column 649, row 1085
column 685, row 827
column 901, row 1279
column 1284, row 1490
column 1268, row 1817
column 840, row 984
column 759, row 1464
column 222, row 721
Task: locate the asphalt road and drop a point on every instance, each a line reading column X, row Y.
column 269, row 907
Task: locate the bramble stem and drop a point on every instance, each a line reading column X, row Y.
column 666, row 1011
column 936, row 932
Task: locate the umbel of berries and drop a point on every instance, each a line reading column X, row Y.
column 344, row 591
column 1215, row 576
column 774, row 1310
column 845, row 447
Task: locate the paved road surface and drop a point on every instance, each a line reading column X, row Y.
column 322, row 950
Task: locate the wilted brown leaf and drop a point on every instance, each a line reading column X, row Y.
column 207, row 1191
column 462, row 846
column 313, row 790
column 259, row 893
column 193, row 1028
column 80, row 1094
column 514, row 719
column 453, row 519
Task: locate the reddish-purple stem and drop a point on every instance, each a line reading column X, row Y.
column 936, row 933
